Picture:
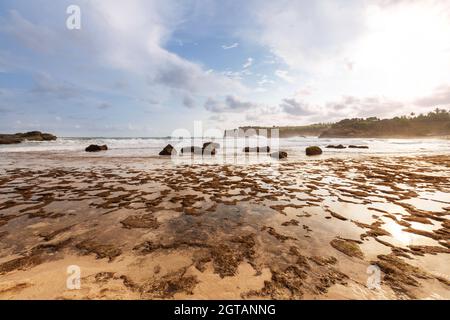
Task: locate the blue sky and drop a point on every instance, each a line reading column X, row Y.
column 146, row 68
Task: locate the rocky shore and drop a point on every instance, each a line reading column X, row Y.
column 28, row 136
column 150, row 229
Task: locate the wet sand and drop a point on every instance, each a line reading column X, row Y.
column 145, row 228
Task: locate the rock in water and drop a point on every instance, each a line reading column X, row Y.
column 313, row 151
column 257, row 149
column 168, row 151
column 96, row 148
column 212, row 145
column 279, row 155
column 339, row 146
column 9, row 139
column 30, row 136
column 358, row 147
column 193, row 149
column 209, row 148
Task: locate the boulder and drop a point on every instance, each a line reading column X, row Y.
column 358, row 147
column 213, row 145
column 339, row 146
column 209, row 148
column 313, row 151
column 96, row 148
column 193, row 149
column 279, row 155
column 168, row 151
column 257, row 149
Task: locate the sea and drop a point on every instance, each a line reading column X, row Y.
column 295, row 146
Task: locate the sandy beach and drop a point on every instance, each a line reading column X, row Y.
column 148, row 228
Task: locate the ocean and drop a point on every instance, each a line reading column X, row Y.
column 148, row 147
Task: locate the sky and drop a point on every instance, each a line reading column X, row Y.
column 147, row 67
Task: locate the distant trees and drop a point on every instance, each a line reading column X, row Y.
column 436, row 122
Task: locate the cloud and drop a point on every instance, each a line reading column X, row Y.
column 231, row 46
column 45, row 85
column 36, row 37
column 125, row 40
column 248, row 64
column 231, row 104
column 440, row 97
column 284, row 74
column 188, row 102
column 306, row 34
column 342, row 45
column 351, row 107
column 104, row 106
column 292, row 106
column 218, row 118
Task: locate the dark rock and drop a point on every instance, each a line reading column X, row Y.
column 339, row 146
column 9, row 139
column 212, row 145
column 279, row 155
column 257, row 149
column 313, row 151
column 209, row 148
column 96, row 148
column 193, row 149
column 168, row 151
column 30, row 136
column 358, row 147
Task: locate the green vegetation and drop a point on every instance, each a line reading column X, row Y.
column 435, row 123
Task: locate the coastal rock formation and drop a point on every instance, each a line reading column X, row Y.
column 279, row 155
column 257, row 149
column 168, row 151
column 96, row 148
column 28, row 136
column 313, row 151
column 358, row 147
column 339, row 146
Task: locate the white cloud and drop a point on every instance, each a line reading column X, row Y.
column 396, row 49
column 284, row 74
column 438, row 98
column 248, row 64
column 231, row 46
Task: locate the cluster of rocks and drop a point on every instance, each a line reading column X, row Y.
column 28, row 136
column 340, row 146
column 257, row 149
column 209, row 148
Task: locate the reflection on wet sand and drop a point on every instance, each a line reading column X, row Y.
column 147, row 229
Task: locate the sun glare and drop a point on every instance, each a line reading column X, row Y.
column 406, row 48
